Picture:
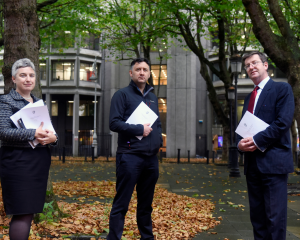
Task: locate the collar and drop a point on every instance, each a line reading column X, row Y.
column 263, row 83
column 147, row 89
column 16, row 96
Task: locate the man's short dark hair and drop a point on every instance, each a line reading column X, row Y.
column 261, row 55
column 139, row 60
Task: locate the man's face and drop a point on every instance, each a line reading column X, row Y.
column 140, row 73
column 258, row 72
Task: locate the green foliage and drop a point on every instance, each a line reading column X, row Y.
column 129, row 27
column 49, row 214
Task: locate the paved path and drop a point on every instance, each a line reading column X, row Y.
column 195, row 180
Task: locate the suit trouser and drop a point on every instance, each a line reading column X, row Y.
column 268, row 203
column 142, row 171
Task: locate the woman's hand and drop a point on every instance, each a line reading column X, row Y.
column 40, row 133
column 44, row 136
column 49, row 138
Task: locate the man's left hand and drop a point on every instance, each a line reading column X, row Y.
column 247, row 145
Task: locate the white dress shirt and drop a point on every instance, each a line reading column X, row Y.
column 261, row 86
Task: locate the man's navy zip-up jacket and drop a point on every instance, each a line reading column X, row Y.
column 123, row 103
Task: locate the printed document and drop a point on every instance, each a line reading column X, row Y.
column 32, row 115
column 18, row 115
column 32, row 118
column 250, row 125
column 141, row 115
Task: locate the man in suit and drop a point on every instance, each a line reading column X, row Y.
column 268, row 155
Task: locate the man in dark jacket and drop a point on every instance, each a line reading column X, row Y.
column 136, row 160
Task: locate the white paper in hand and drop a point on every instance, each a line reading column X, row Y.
column 18, row 115
column 32, row 118
column 141, row 115
column 250, row 125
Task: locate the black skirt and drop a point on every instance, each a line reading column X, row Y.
column 24, row 174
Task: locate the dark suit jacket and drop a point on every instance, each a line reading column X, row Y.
column 275, row 106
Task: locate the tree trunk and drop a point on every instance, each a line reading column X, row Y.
column 22, row 40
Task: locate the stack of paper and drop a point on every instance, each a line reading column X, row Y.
column 250, row 125
column 32, row 115
column 142, row 115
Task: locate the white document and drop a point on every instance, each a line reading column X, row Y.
column 250, row 125
column 18, row 115
column 32, row 118
column 141, row 115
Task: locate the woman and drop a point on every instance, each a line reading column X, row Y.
column 23, row 170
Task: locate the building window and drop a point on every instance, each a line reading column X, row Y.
column 43, row 70
column 162, row 108
column 215, row 77
column 85, row 137
column 70, row 108
column 240, row 106
column 86, row 71
column 86, row 108
column 91, row 42
column 243, row 74
column 63, row 70
column 159, row 72
column 275, row 72
column 162, row 105
column 54, row 108
column 271, row 71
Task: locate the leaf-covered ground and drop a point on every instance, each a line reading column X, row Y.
column 174, row 216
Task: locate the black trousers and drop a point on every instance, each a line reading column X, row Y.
column 268, row 203
column 142, row 171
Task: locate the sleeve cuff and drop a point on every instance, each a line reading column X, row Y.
column 238, row 147
column 262, row 150
column 56, row 142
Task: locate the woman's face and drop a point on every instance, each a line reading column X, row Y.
column 24, row 80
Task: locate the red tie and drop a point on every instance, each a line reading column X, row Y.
column 252, row 99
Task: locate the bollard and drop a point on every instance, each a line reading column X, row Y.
column 59, row 154
column 85, row 155
column 107, row 155
column 160, row 155
column 93, row 154
column 64, row 155
column 207, row 156
column 178, row 156
column 188, row 156
column 213, row 156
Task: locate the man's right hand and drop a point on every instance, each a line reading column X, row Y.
column 147, row 129
column 247, row 145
